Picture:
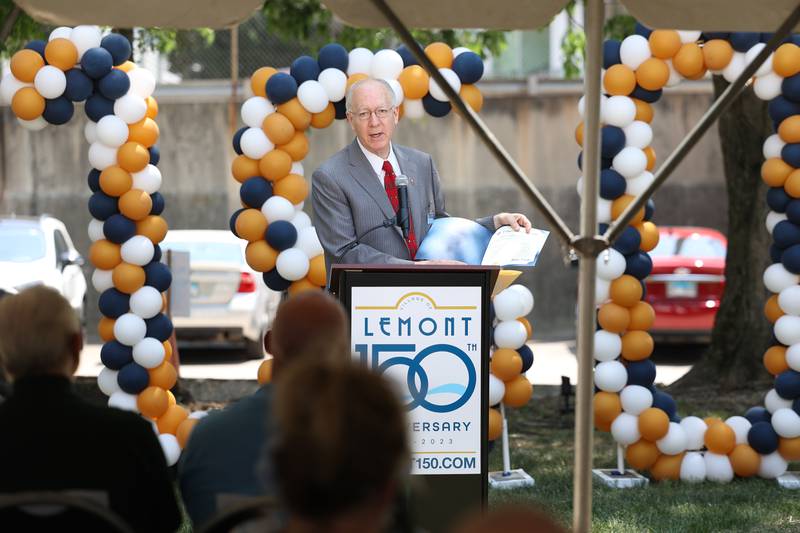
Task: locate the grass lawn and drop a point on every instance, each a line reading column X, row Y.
column 542, row 443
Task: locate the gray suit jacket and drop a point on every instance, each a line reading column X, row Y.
column 349, row 201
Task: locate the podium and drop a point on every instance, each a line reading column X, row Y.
column 427, row 329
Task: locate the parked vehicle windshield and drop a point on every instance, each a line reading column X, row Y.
column 692, row 246
column 21, row 244
column 208, row 251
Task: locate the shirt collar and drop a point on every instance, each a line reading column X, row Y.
column 377, row 163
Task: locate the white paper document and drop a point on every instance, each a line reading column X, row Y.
column 509, row 247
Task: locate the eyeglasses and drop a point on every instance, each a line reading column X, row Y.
column 380, row 113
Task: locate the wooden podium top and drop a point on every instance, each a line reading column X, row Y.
column 337, row 269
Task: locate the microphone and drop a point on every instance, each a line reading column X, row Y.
column 402, row 204
column 387, row 223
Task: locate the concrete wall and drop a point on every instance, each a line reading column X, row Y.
column 45, row 172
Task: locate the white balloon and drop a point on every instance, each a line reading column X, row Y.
column 458, row 50
column 334, row 81
column 50, row 82
column 143, row 83
column 278, row 208
column 773, row 218
column 508, row 305
column 255, row 143
column 740, row 426
column 387, row 64
column 129, row 329
column 674, row 442
column 750, row 55
column 787, row 329
column 148, row 179
column 297, row 168
column 793, row 357
column 625, row 429
column 610, row 376
column 735, row 67
column 102, row 280
column 360, row 61
column 497, row 389
column 689, row 36
column 398, row 91
column 138, row 250
column 9, row 85
column 292, row 264
column 693, row 468
column 768, row 86
column 603, row 211
column 146, row 302
column 773, row 146
column 112, row 131
column 786, row 423
column 635, row 399
column 101, row 156
column 96, row 230
column 170, row 447
column 36, row 124
column 774, row 402
column 255, row 109
column 718, row 468
column 107, row 381
column 630, row 162
column 639, row 184
column 131, row 108
column 789, row 300
column 149, row 352
column 85, row 37
column 122, row 400
column 582, row 105
column 90, row 132
column 638, row 134
column 634, row 50
column 607, row 345
column 777, row 278
column 510, row 334
column 618, row 111
column 301, row 221
column 62, row 32
column 772, row 466
column 413, row 109
column 610, row 264
column 308, row 242
column 312, row 96
column 526, row 295
column 601, row 291
column 451, row 78
column 695, row 429
column 675, row 77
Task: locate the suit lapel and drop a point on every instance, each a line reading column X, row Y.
column 416, row 191
column 362, row 172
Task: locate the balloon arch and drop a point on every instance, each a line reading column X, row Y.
column 641, row 418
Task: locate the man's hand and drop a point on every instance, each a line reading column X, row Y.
column 515, row 220
column 440, row 262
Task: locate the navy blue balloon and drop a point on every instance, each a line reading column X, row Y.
column 793, row 211
column 468, row 66
column 133, row 378
column 155, row 154
column 274, row 281
column 791, row 259
column 255, row 191
column 237, row 140
column 118, row 46
column 434, row 107
column 114, row 85
column 232, row 221
column 333, row 55
column 639, row 265
column 113, row 303
column 281, row 88
column 527, row 357
column 649, row 209
column 710, row 35
column 762, row 438
column 98, row 106
column 58, row 110
column 612, row 184
column 777, row 199
column 757, row 414
column 37, row 46
column 157, row 275
column 641, row 29
column 119, row 228
column 102, row 206
column 79, row 85
column 796, row 406
column 605, row 162
column 612, row 141
column 97, row 62
column 643, row 94
column 786, row 234
column 787, row 384
column 116, row 355
column 304, row 68
column 775, row 253
column 790, row 88
column 611, row 53
column 665, row 402
column 641, row 373
column 281, row 235
column 791, row 154
column 408, row 57
column 159, row 327
column 158, row 203
column 742, row 41
column 341, row 109
column 628, row 242
column 780, row 108
column 94, row 180
column 794, row 38
column 156, row 252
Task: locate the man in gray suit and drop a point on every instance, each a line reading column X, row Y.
column 355, row 197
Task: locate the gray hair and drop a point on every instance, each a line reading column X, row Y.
column 365, row 81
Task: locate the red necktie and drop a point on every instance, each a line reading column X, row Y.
column 391, row 192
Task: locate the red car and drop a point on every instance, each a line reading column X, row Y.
column 687, row 282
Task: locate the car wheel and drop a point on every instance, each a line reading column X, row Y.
column 254, row 349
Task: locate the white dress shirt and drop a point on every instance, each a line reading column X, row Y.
column 377, row 162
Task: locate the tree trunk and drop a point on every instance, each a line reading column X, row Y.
column 741, row 332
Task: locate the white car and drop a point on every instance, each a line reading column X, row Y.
column 39, row 251
column 229, row 304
